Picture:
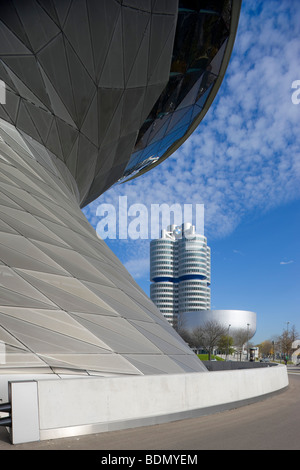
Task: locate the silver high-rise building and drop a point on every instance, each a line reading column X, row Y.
column 180, row 272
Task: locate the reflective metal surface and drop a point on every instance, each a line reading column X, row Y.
column 201, row 41
column 234, row 320
column 112, row 88
column 81, row 80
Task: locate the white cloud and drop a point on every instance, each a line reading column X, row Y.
column 238, row 252
column 287, row 262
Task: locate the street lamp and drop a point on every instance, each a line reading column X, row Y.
column 287, row 342
column 248, row 324
column 228, row 342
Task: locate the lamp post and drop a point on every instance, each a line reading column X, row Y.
column 287, row 343
column 228, row 342
column 248, row 324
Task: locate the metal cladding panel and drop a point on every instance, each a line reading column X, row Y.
column 67, row 303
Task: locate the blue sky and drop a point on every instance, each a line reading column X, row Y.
column 243, row 164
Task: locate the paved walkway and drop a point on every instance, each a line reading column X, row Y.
column 294, row 370
column 272, row 424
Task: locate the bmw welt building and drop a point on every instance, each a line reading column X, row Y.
column 95, row 92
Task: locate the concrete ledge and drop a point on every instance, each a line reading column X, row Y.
column 77, row 406
column 235, row 365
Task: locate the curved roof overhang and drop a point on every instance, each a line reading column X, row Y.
column 236, row 7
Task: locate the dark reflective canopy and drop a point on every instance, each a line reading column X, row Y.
column 202, row 33
column 109, row 88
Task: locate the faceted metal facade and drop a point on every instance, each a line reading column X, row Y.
column 82, row 77
column 81, row 80
column 66, row 302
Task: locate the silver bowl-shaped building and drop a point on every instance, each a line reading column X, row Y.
column 93, row 92
column 234, row 321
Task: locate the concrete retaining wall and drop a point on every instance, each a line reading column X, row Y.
column 69, row 407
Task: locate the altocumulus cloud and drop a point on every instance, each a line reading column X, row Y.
column 245, row 155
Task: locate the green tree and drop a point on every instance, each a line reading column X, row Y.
column 285, row 341
column 225, row 345
column 266, row 348
column 208, row 335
